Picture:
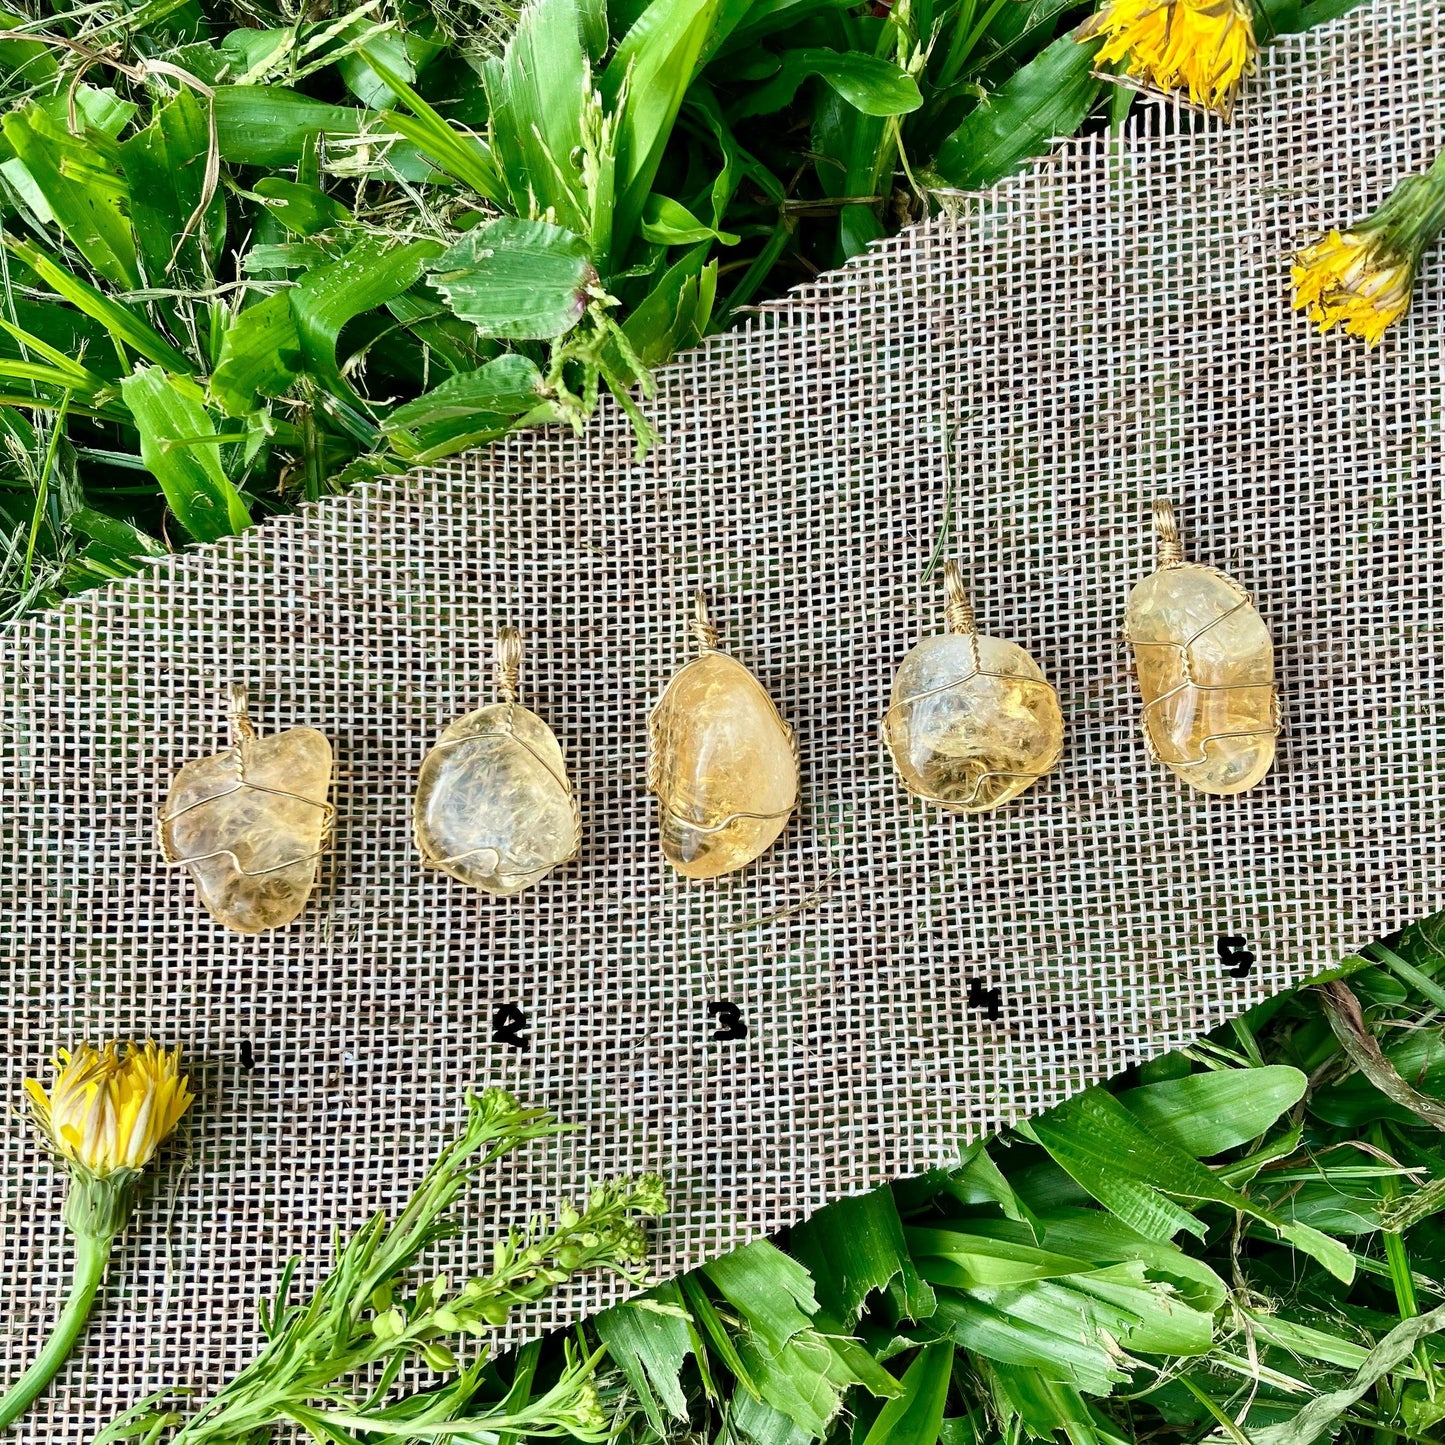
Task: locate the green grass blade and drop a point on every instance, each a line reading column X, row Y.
column 169, row 413
column 1048, row 97
column 124, row 323
column 1205, row 1114
column 87, row 196
column 915, row 1416
column 644, row 83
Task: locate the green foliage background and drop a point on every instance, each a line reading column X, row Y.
column 254, row 252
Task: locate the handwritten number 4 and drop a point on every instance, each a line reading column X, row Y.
column 1235, row 955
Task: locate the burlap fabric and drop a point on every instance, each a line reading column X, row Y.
column 1011, row 387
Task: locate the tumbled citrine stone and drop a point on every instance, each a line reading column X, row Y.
column 494, row 806
column 972, row 722
column 1205, row 663
column 723, row 767
column 249, row 824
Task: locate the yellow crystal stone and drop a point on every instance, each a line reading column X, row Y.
column 250, row 824
column 972, row 722
column 1206, row 672
column 494, row 806
column 723, row 766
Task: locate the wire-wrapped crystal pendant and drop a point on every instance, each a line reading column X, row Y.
column 722, row 763
column 494, row 805
column 1206, row 670
column 249, row 824
column 972, row 721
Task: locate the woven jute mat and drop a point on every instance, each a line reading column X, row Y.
column 1013, row 384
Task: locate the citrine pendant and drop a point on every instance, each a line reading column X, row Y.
column 249, row 824
column 494, row 805
column 1205, row 662
column 972, row 721
column 722, row 763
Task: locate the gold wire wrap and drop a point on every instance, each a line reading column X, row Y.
column 959, row 617
column 243, row 732
column 958, row 605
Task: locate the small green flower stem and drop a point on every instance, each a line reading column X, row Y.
column 91, row 1253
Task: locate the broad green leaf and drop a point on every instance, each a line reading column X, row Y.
column 1100, row 1238
column 536, row 89
column 773, row 1292
column 674, row 313
column 26, row 63
column 1048, row 97
column 365, row 276
column 165, row 166
column 271, row 126
column 260, row 355
column 517, row 280
column 960, row 1259
column 759, row 1423
column 1048, row 1408
column 806, row 1377
column 405, row 54
column 868, row 83
column 915, row 1416
column 978, row 1180
column 83, row 188
column 505, row 386
column 302, row 208
column 855, row 1247
column 1047, row 1326
column 175, row 428
column 644, row 83
column 469, row 408
column 648, row 1340
column 666, row 222
column 1205, row 1114
column 97, row 109
column 126, row 324
column 1128, row 1170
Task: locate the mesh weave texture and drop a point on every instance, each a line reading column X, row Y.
column 1024, row 378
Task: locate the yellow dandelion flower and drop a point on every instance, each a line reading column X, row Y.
column 107, row 1112
column 1353, row 279
column 105, row 1115
column 1203, row 46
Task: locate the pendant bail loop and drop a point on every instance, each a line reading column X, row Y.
column 958, row 608
column 508, row 663
column 1171, row 549
column 238, row 712
column 701, row 628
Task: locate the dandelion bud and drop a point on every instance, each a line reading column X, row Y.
column 109, row 1114
column 1363, row 278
